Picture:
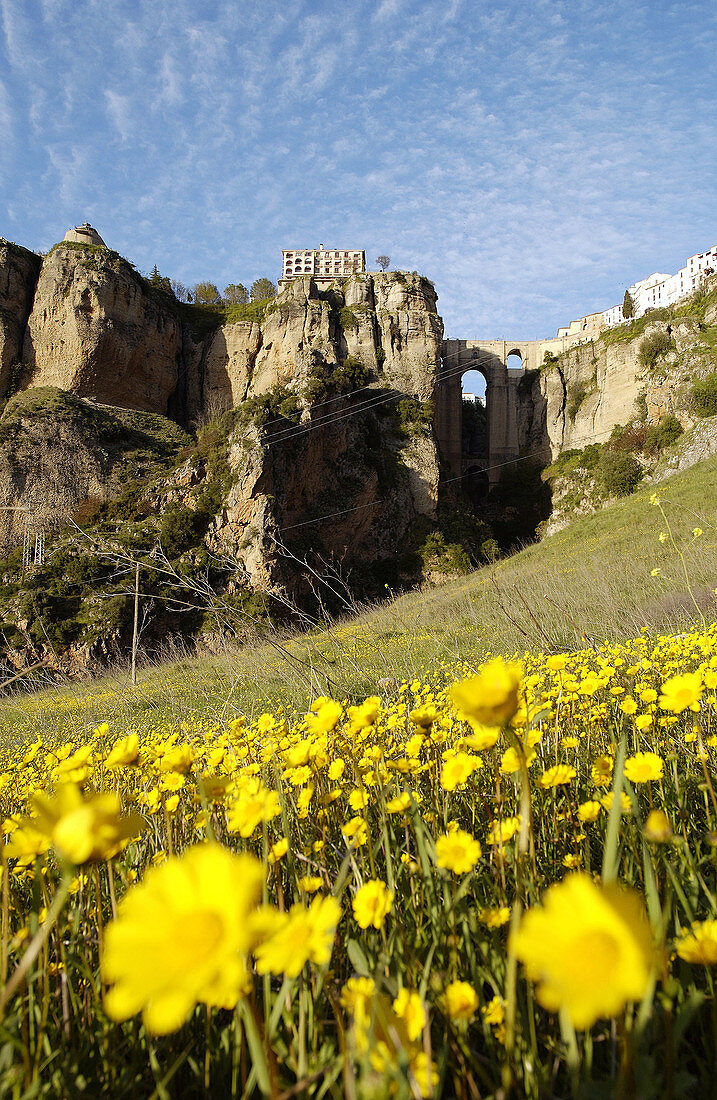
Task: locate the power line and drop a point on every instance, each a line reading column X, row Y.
column 443, row 376
column 441, row 481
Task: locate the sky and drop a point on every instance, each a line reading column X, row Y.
column 531, row 159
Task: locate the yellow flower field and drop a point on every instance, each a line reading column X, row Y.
column 495, row 878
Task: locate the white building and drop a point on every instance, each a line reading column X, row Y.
column 659, row 289
column 323, row 263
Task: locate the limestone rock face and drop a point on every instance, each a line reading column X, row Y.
column 228, row 367
column 386, row 321
column 58, row 452
column 599, row 385
column 94, row 332
column 372, row 483
column 19, row 270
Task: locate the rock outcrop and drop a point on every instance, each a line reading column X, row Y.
column 95, row 332
column 604, row 383
column 19, row 270
column 387, row 321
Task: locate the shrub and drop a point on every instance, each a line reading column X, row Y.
column 415, row 417
column 652, row 348
column 661, row 435
column 619, row 472
column 351, row 374
column 628, row 438
column 182, row 528
column 348, row 318
column 444, row 557
column 577, row 393
column 704, row 395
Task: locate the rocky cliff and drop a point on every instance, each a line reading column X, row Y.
column 19, row 270
column 644, row 370
column 313, row 477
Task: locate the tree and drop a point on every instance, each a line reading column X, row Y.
column 628, row 306
column 162, row 282
column 180, row 291
column 383, row 262
column 206, row 294
column 261, row 289
column 236, row 294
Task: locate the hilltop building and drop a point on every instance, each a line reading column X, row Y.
column 84, row 234
column 654, row 292
column 322, row 263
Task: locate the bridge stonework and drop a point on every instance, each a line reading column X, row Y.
column 490, row 358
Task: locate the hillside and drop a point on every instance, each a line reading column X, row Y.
column 587, row 583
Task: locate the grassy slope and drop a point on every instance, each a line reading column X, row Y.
column 591, row 581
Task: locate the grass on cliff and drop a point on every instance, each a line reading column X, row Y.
column 589, row 582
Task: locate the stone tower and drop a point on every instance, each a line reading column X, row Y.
column 84, row 234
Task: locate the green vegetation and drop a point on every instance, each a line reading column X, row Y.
column 415, row 418
column 577, row 392
column 628, row 306
column 704, row 395
column 619, row 472
column 654, row 347
column 692, row 308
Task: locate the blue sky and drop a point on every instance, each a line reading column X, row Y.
column 532, row 159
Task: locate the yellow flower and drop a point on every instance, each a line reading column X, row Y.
column 254, row 803
column 491, row 697
column 657, row 827
column 297, row 937
column 124, row 751
column 457, row 851
column 310, row 883
column 588, row 811
column 681, row 692
column 501, row 832
column 557, row 776
column 697, row 532
column 483, row 737
column 336, row 770
column 372, row 904
column 27, row 842
column 457, row 769
column 588, row 948
column 494, row 918
column 655, row 572
column 178, row 759
column 424, row 1074
column 460, row 1000
column 182, row 936
column 409, row 1008
column 663, row 536
column 355, row 832
column 326, row 714
column 356, row 997
column 643, row 767
column 601, row 771
column 699, row 945
column 510, row 760
column 82, row 828
column 278, row 850
column 493, row 1012
column 399, row 804
column 625, row 803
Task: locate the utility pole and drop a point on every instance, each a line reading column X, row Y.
column 136, row 623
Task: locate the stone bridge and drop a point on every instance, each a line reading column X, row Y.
column 490, row 358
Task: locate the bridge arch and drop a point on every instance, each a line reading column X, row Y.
column 490, row 359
